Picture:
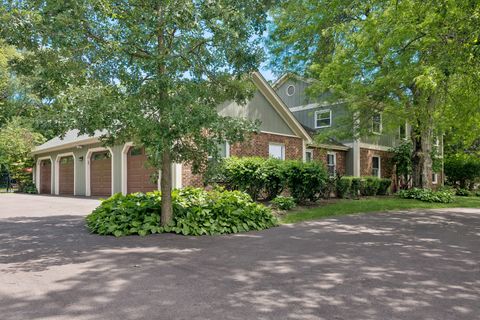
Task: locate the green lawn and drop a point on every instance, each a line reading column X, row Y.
column 345, row 206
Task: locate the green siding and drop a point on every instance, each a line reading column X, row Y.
column 258, row 108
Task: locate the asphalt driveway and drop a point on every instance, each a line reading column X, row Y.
column 402, row 265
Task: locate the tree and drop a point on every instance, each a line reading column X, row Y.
column 148, row 71
column 411, row 60
column 17, row 140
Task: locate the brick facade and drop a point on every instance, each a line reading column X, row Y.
column 320, row 154
column 386, row 167
column 255, row 146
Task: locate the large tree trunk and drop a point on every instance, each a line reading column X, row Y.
column 166, row 188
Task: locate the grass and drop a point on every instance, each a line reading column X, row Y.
column 374, row 204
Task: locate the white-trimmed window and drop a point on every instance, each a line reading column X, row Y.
column 309, row 155
column 276, row 150
column 376, row 166
column 402, row 130
column 323, row 118
column 434, row 178
column 377, row 123
column 331, row 163
column 290, row 91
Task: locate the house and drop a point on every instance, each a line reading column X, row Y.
column 366, row 156
column 80, row 165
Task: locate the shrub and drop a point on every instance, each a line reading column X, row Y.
column 427, row 195
column 196, row 212
column 28, row 187
column 343, row 187
column 370, row 186
column 355, row 187
column 305, row 181
column 463, row 192
column 273, row 172
column 384, row 187
column 477, row 193
column 283, row 203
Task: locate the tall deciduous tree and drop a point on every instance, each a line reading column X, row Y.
column 417, row 61
column 150, row 71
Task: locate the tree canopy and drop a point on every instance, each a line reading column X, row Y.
column 414, row 61
column 152, row 72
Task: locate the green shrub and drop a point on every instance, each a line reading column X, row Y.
column 28, row 187
column 477, row 193
column 355, row 187
column 370, row 186
column 283, row 203
column 384, row 187
column 427, row 195
column 305, row 181
column 343, row 187
column 463, row 192
column 244, row 174
column 273, row 172
column 195, row 212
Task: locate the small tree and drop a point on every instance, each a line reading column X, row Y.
column 17, row 140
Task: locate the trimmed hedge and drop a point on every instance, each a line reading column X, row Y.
column 305, row 180
column 365, row 186
column 196, row 212
column 427, row 195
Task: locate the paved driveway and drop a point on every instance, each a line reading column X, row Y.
column 402, row 265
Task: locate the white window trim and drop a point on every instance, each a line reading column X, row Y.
column 334, row 154
column 379, row 175
column 381, row 125
column 435, row 175
column 323, row 111
column 309, row 151
column 57, row 172
column 436, row 142
column 277, row 144
column 286, row 90
column 37, row 173
column 88, row 187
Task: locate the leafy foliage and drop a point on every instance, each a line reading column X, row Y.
column 463, row 192
column 305, row 181
column 427, row 195
column 384, row 187
column 413, row 61
column 343, row 187
column 370, row 186
column 196, row 212
column 17, row 140
column 462, row 170
column 283, row 203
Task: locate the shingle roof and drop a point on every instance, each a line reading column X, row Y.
column 70, row 138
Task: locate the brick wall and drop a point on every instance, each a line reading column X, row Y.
column 255, row 146
column 320, row 154
column 386, row 168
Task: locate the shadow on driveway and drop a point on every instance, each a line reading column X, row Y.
column 404, row 265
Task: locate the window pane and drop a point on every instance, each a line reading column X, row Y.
column 323, row 118
column 308, row 156
column 377, row 123
column 375, row 166
column 403, row 132
column 276, row 151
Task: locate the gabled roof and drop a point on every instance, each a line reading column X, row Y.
column 282, row 109
column 289, row 75
column 70, row 140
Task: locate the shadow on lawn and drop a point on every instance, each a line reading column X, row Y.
column 378, row 266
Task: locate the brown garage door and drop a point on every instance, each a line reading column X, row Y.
column 139, row 175
column 45, row 177
column 66, row 174
column 101, row 174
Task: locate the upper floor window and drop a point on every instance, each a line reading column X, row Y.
column 377, row 123
column 323, row 118
column 290, row 90
column 376, row 167
column 331, row 164
column 276, row 150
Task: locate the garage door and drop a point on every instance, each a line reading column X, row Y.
column 139, row 175
column 45, row 177
column 101, row 174
column 66, row 174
